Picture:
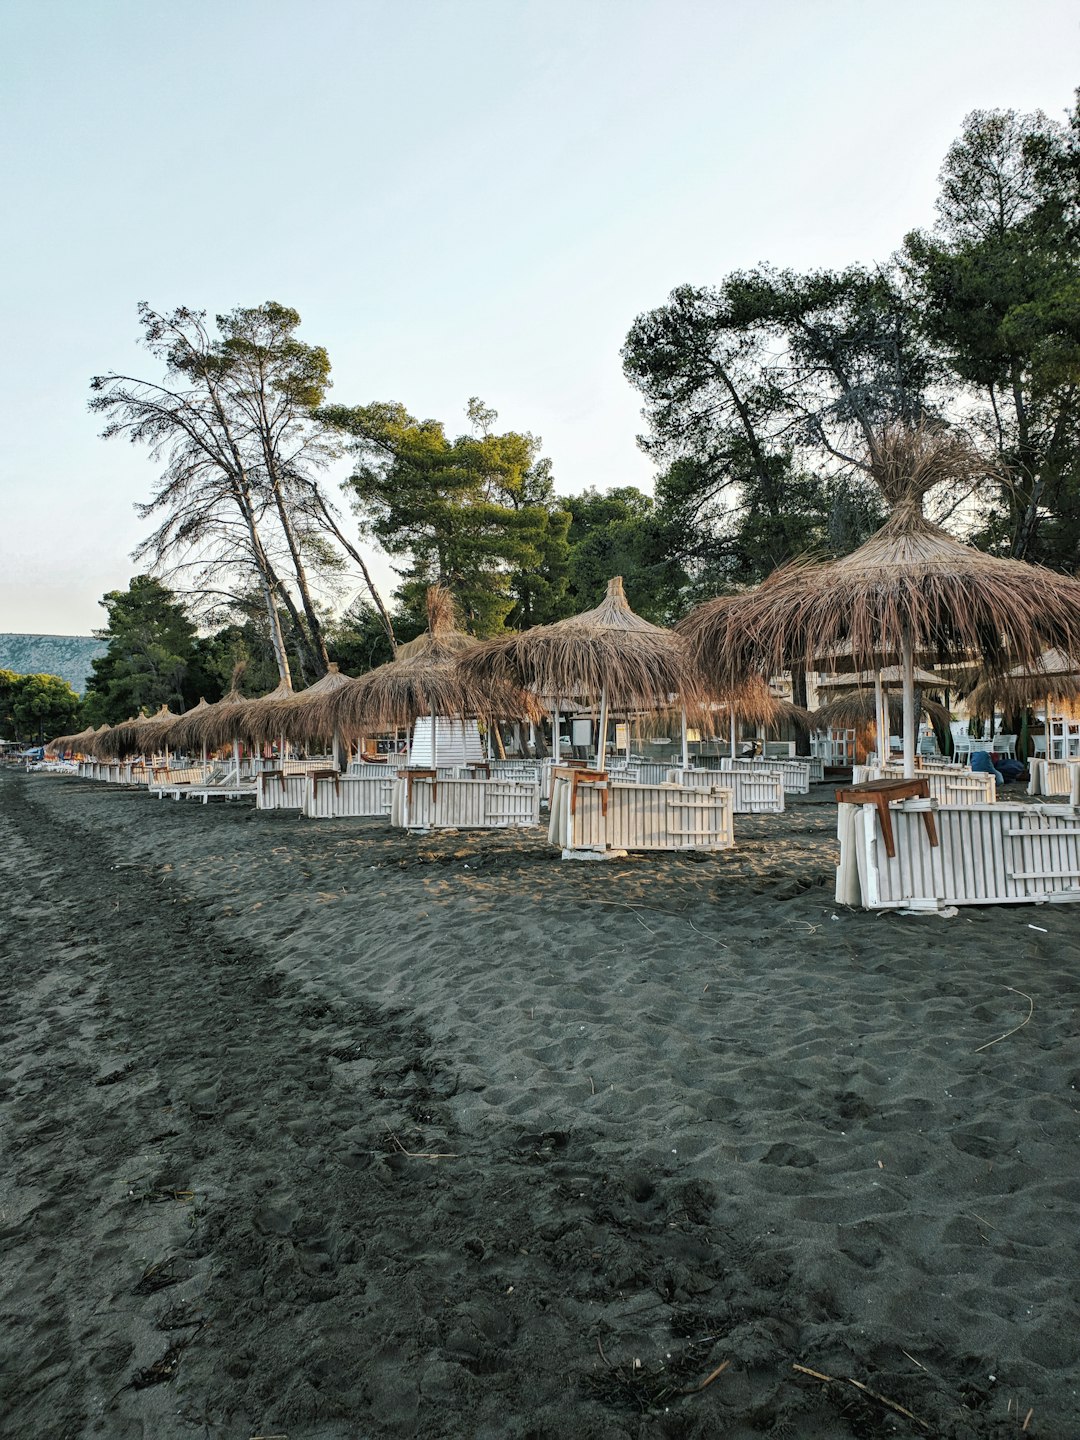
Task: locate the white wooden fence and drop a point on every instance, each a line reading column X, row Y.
column 1053, row 777
column 349, row 795
column 757, row 792
column 949, row 785
column 419, row 803
column 275, row 790
column 795, row 773
column 998, row 854
column 638, row 817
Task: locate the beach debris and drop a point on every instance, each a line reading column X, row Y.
column 421, row 1154
column 163, row 1370
column 158, row 1277
column 873, row 1394
column 1041, row 928
column 1015, row 1028
column 712, row 1375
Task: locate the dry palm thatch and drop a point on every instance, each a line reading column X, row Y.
column 909, row 587
column 295, row 718
column 209, row 726
column 253, row 720
column 858, row 708
column 1055, row 680
column 97, row 739
column 424, row 679
column 75, row 743
column 605, row 651
column 141, row 735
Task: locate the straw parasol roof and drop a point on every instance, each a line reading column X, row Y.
column 858, row 708
column 604, row 652
column 211, row 725
column 141, row 735
column 911, row 583
column 424, row 679
column 911, row 588
column 1054, row 678
column 254, row 718
column 93, row 745
column 297, row 717
column 73, row 742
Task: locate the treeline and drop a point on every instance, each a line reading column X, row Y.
column 34, row 708
column 758, row 393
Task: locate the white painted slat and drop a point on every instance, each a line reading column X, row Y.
column 640, row 817
column 454, row 804
column 757, row 792
column 988, row 854
column 280, row 792
column 795, row 773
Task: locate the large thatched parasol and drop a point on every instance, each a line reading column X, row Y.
column 607, row 656
column 424, row 679
column 141, row 735
column 254, row 719
column 97, row 738
column 1054, row 680
column 209, row 727
column 75, row 743
column 858, row 708
column 910, row 588
column 297, row 719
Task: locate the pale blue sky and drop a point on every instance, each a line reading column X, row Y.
column 461, row 197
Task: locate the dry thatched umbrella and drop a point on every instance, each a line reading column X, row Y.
column 910, row 588
column 607, row 655
column 857, row 709
column 296, row 719
column 97, row 738
column 141, row 735
column 424, row 679
column 1054, row 678
column 72, row 742
column 254, row 718
column 210, row 727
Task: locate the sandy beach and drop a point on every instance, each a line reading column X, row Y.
column 316, row 1130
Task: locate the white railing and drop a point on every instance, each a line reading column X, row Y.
column 795, row 773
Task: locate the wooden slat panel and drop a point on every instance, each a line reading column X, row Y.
column 988, row 854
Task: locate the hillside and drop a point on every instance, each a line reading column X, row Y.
column 68, row 656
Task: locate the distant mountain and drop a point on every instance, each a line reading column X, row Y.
column 68, row 656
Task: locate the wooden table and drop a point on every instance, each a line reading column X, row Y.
column 879, row 793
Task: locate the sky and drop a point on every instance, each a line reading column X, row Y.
column 460, row 197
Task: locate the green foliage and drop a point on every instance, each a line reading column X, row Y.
column 755, row 394
column 476, row 513
column 998, row 287
column 8, row 684
column 621, row 532
column 148, row 662
column 358, row 641
column 34, row 708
